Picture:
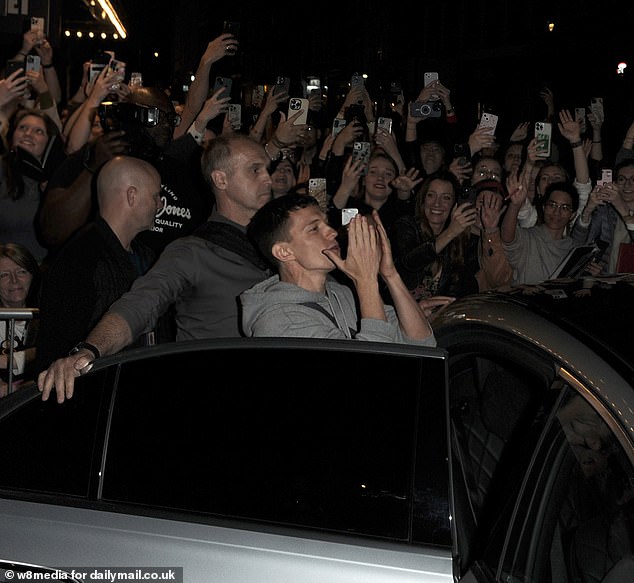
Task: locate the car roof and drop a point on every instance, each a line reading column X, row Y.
column 598, row 310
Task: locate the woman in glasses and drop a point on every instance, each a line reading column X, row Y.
column 535, row 252
column 19, row 284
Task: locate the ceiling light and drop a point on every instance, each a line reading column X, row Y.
column 113, row 17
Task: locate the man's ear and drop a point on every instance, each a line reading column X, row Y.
column 282, row 252
column 219, row 178
column 131, row 195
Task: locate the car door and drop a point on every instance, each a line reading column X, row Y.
column 542, row 479
column 239, row 461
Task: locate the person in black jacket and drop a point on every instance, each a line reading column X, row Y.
column 100, row 262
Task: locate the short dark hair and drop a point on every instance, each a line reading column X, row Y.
column 270, row 223
column 566, row 187
column 627, row 163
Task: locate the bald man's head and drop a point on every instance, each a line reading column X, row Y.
column 119, row 174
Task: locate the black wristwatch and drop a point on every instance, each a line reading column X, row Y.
column 87, row 346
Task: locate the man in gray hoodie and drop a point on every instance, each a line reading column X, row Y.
column 304, row 300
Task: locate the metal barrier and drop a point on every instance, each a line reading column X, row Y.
column 9, row 316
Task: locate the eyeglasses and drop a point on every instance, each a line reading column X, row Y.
column 567, row 208
column 624, row 179
column 4, row 275
column 486, row 173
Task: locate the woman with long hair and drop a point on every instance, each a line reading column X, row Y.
column 429, row 247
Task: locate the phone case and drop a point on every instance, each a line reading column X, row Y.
column 430, row 77
column 384, row 123
column 337, row 125
column 231, row 27
column 606, row 177
column 282, row 84
column 37, row 25
column 543, row 135
column 296, row 104
column 234, row 114
column 13, row 65
column 361, row 151
column 223, row 82
column 32, row 63
column 596, row 107
column 347, row 214
column 489, row 120
column 356, row 80
column 317, row 189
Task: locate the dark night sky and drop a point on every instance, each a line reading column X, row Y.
column 493, row 52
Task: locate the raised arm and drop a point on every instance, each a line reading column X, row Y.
column 220, row 47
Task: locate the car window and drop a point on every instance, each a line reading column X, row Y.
column 321, row 439
column 496, row 405
column 575, row 520
column 49, row 447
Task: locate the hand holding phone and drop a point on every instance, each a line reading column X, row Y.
column 296, row 104
column 489, row 120
column 543, row 137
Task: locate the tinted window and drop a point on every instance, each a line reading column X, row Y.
column 576, row 519
column 314, row 438
column 49, row 447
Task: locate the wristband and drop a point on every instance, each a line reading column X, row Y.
column 21, row 53
column 596, row 141
column 576, row 144
column 47, row 66
column 85, row 346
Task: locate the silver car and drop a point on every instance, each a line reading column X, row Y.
column 506, row 454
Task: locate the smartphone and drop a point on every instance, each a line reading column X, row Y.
column 596, row 107
column 234, row 115
column 317, row 189
column 337, row 125
column 313, row 85
column 606, row 177
column 224, row 83
column 543, row 134
column 430, row 77
column 117, row 67
column 296, row 104
column 361, row 151
column 282, row 84
column 231, row 27
column 384, row 123
column 489, row 120
column 12, row 66
column 95, row 71
column 98, row 63
column 580, row 116
column 356, row 80
column 136, row 79
column 37, row 26
column 32, row 63
column 347, row 215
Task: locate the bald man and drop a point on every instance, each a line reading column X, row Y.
column 147, row 124
column 102, row 260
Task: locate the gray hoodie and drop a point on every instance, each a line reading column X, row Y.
column 276, row 308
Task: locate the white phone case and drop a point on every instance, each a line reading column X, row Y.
column 489, row 120
column 296, row 104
